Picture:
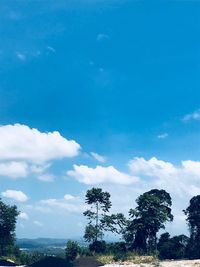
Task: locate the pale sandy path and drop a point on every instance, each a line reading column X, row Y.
column 183, row 263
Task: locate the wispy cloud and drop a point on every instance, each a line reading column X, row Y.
column 38, row 223
column 68, row 203
column 23, row 216
column 163, row 136
column 98, row 157
column 47, row 177
column 192, row 116
column 21, row 56
column 51, row 49
column 102, row 37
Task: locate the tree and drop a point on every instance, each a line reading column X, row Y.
column 115, row 223
column 152, row 212
column 193, row 218
column 8, row 218
column 72, row 250
column 100, row 204
column 172, row 248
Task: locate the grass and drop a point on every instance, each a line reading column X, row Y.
column 131, row 258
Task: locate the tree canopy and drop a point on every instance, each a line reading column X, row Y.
column 152, row 212
column 100, row 204
column 8, row 218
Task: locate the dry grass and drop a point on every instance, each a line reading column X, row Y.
column 132, row 258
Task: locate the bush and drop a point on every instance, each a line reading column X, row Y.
column 72, row 250
column 120, row 256
column 116, row 247
column 98, row 246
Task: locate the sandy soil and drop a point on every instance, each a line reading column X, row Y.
column 182, row 263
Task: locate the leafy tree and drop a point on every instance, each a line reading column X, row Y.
column 115, row 223
column 72, row 250
column 100, row 204
column 152, row 212
column 98, row 246
column 8, row 218
column 193, row 218
column 172, row 248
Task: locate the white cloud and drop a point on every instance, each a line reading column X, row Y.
column 37, row 223
column 15, row 195
column 163, row 136
column 102, row 37
column 68, row 203
column 152, row 167
column 68, row 197
column 182, row 180
column 14, row 169
column 192, row 116
column 21, row 143
column 98, row 175
column 98, row 157
column 39, row 169
column 46, row 177
column 23, row 216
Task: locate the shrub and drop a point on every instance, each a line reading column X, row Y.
column 72, row 250
column 98, row 246
column 120, row 256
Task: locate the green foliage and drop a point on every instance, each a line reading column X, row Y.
column 152, row 212
column 115, row 223
column 172, row 248
column 193, row 218
column 116, row 247
column 92, row 233
column 98, row 246
column 8, row 218
column 100, row 204
column 120, row 256
column 72, row 250
column 26, row 258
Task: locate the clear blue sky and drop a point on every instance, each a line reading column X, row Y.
column 121, row 79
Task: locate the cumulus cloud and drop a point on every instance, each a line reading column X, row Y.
column 98, row 175
column 14, row 169
column 21, row 143
column 192, row 116
column 15, row 195
column 182, row 180
column 152, row 167
column 98, row 157
column 23, row 216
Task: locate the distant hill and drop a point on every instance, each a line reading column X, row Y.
column 26, row 243
column 43, row 243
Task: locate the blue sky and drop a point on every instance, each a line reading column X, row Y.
column 119, row 78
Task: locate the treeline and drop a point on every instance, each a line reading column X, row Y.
column 139, row 232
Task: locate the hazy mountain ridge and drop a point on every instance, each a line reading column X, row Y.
column 28, row 243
